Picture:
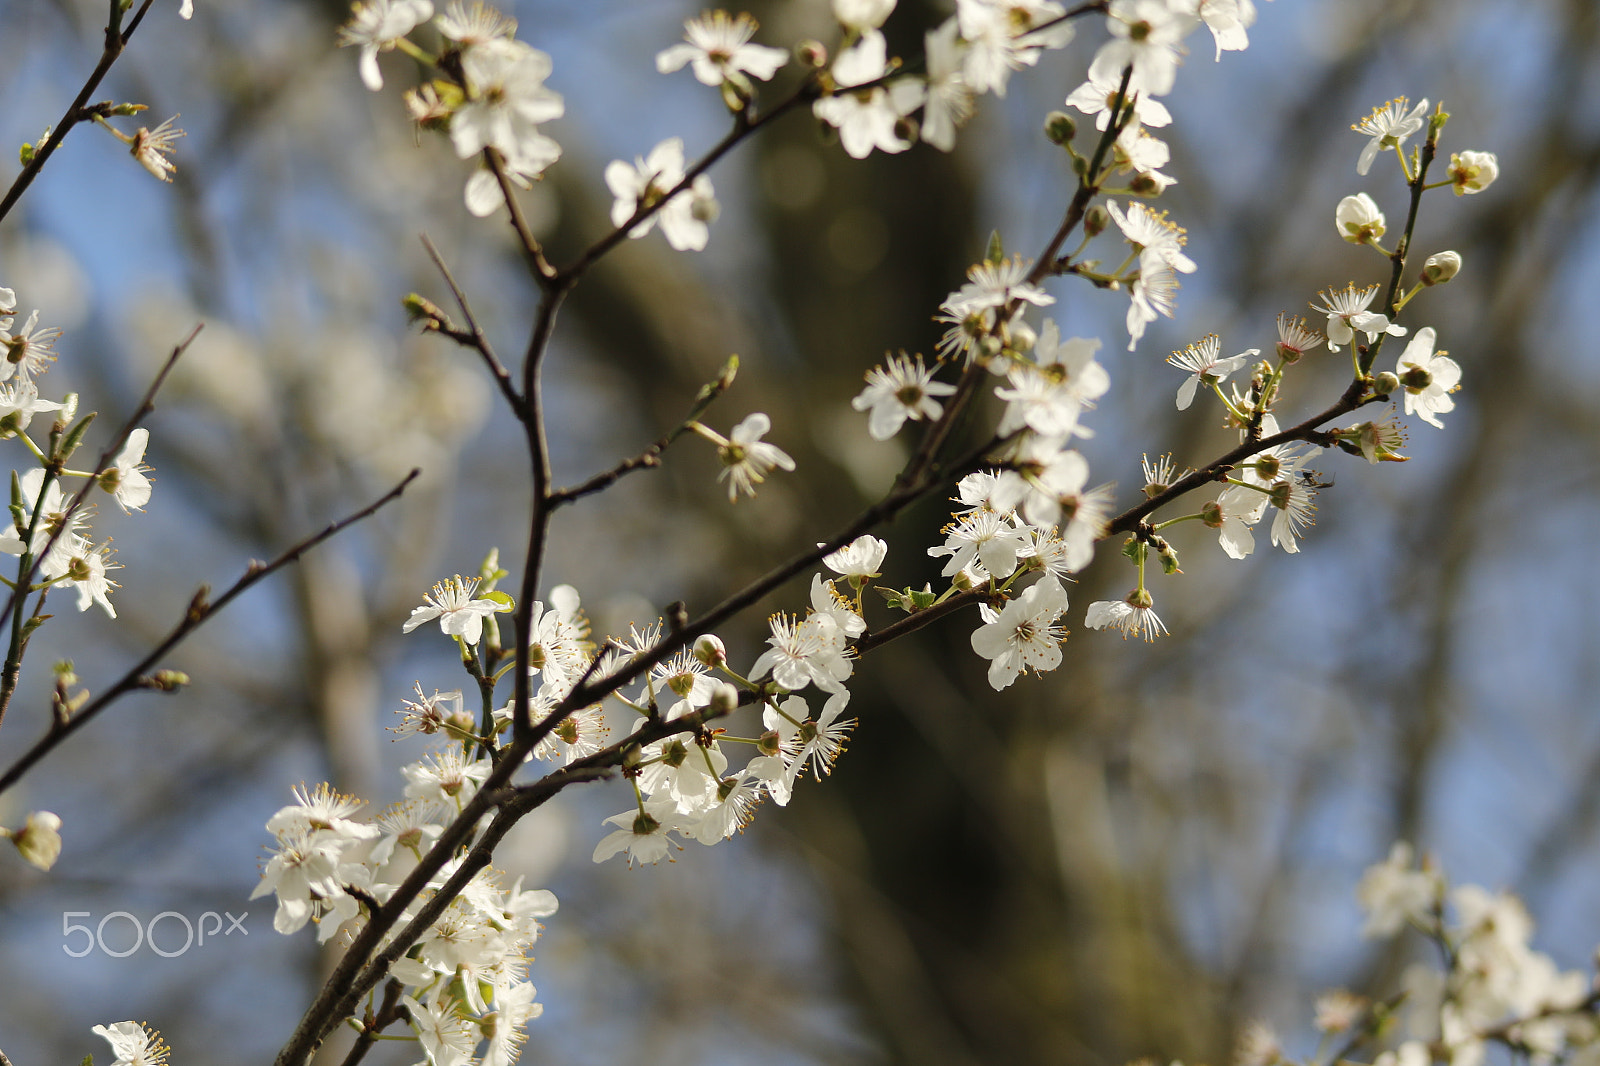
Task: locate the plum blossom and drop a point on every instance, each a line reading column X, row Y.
column 949, row 101
column 1135, row 616
column 994, row 285
column 862, row 14
column 1002, row 37
column 1347, row 314
column 812, row 651
column 897, row 391
column 746, row 458
column 125, row 479
column 134, row 1044
column 506, row 101
column 1095, row 97
column 459, row 615
column 868, row 118
column 652, row 179
column 377, row 26
column 718, row 50
column 1158, row 240
column 1023, row 634
column 1388, row 126
column 1206, row 366
column 860, row 558
column 643, row 836
column 1429, row 377
column 1048, row 394
column 39, row 839
column 1147, row 35
column 1393, row 893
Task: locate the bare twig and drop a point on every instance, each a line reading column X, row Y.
column 479, row 340
column 116, row 39
column 201, row 609
column 651, row 456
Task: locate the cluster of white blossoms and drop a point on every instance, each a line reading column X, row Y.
column 874, row 106
column 41, row 512
column 1027, row 518
column 489, row 96
column 48, row 532
column 1494, row 989
column 465, row 979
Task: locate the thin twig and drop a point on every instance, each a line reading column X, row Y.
column 201, row 609
column 651, row 456
column 116, row 39
column 479, row 340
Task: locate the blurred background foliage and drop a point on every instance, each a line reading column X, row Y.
column 1129, row 857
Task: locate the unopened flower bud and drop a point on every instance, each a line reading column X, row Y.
column 709, row 650
column 165, row 680
column 1385, row 383
column 1095, row 220
column 1441, row 267
column 811, row 54
column 1059, row 127
column 1472, row 172
column 1358, row 219
column 724, row 699
column 421, row 309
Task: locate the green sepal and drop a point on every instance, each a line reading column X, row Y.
column 996, row 253
column 490, row 571
column 74, row 437
column 19, row 514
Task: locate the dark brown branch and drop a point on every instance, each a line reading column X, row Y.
column 540, row 267
column 387, row 1014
